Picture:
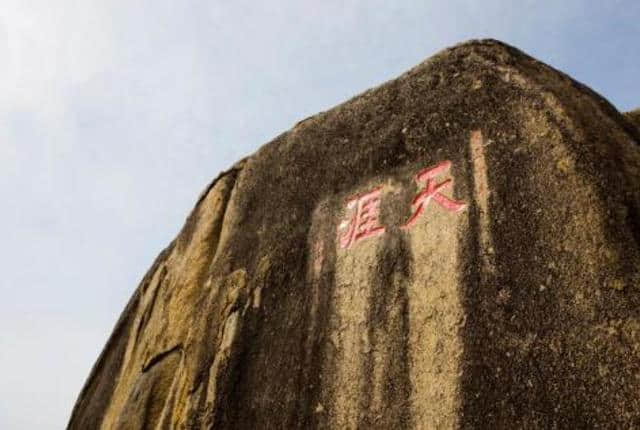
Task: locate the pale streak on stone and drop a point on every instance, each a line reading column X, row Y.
column 351, row 301
column 481, row 194
column 318, row 258
column 222, row 354
column 435, row 312
column 257, row 296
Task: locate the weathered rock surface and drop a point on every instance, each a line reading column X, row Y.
column 519, row 310
column 634, row 117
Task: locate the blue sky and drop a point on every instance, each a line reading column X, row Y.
column 115, row 114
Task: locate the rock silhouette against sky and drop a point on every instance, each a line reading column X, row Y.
column 456, row 248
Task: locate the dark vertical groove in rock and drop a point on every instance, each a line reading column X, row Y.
column 469, row 262
column 256, row 388
column 315, row 359
column 298, row 411
column 225, row 413
column 633, row 219
column 319, row 365
column 398, row 380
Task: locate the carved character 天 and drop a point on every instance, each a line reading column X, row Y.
column 431, row 191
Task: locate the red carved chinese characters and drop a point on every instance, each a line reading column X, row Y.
column 432, row 192
column 363, row 222
column 363, row 210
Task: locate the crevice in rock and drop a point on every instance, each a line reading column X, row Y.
column 159, row 357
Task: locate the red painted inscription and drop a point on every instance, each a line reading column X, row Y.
column 363, row 221
column 363, row 210
column 432, row 192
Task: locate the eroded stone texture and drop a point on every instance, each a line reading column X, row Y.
column 521, row 310
column 634, row 117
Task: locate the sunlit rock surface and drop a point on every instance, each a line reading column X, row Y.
column 457, row 248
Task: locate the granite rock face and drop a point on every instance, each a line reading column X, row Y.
column 634, row 117
column 456, row 248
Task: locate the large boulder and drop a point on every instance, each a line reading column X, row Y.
column 457, row 248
